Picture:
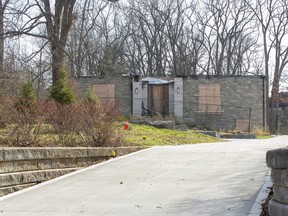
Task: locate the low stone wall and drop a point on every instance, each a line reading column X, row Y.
column 24, row 167
column 238, row 136
column 277, row 160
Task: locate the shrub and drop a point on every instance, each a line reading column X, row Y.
column 27, row 92
column 78, row 124
column 82, row 123
column 25, row 103
column 61, row 92
column 91, row 97
column 96, row 122
column 21, row 123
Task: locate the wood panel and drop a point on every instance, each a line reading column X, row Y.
column 243, row 125
column 209, row 98
column 106, row 92
column 158, row 99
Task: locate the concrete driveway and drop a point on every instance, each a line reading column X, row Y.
column 189, row 180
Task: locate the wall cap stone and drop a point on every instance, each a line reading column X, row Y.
column 277, row 209
column 277, row 158
column 14, row 154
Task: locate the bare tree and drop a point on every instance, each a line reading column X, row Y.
column 228, row 33
column 156, row 45
column 273, row 22
column 58, row 19
column 58, row 23
column 3, row 6
column 176, row 15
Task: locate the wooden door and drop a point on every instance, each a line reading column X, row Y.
column 158, row 99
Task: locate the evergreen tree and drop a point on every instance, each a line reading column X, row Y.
column 61, row 92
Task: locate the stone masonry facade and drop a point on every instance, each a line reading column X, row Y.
column 278, row 162
column 122, row 90
column 242, row 97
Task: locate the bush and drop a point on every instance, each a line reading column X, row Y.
column 27, row 92
column 91, row 97
column 78, row 124
column 96, row 122
column 86, row 123
column 61, row 92
column 22, row 121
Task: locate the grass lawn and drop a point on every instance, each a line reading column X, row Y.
column 264, row 136
column 142, row 135
column 148, row 136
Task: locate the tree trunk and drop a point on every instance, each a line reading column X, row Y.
column 57, row 63
column 58, row 26
column 3, row 6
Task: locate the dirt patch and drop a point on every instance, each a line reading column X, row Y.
column 264, row 205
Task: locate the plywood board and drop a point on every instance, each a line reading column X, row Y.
column 106, row 92
column 243, row 125
column 158, row 99
column 209, row 98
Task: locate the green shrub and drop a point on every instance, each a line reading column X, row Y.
column 61, row 92
column 27, row 92
column 24, row 105
column 91, row 97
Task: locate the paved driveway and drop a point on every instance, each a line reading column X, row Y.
column 189, row 180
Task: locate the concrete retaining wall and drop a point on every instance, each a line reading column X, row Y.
column 24, row 167
column 277, row 160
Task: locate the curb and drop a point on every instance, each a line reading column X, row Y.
column 261, row 197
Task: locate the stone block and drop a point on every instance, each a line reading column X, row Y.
column 277, row 158
column 51, row 174
column 17, row 166
column 277, row 209
column 66, row 152
column 102, row 152
column 211, row 133
column 10, row 179
column 280, row 194
column 12, row 189
column 238, row 136
column 182, row 127
column 279, row 177
column 34, row 176
column 164, row 124
column 13, row 154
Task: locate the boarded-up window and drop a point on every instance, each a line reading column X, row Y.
column 243, row 125
column 209, row 98
column 106, row 92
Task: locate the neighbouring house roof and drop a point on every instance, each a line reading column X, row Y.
column 155, row 81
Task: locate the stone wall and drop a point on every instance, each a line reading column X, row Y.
column 242, row 99
column 123, row 94
column 277, row 160
column 238, row 95
column 24, row 167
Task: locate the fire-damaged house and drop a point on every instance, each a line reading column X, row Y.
column 215, row 102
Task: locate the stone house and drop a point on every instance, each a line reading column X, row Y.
column 211, row 102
